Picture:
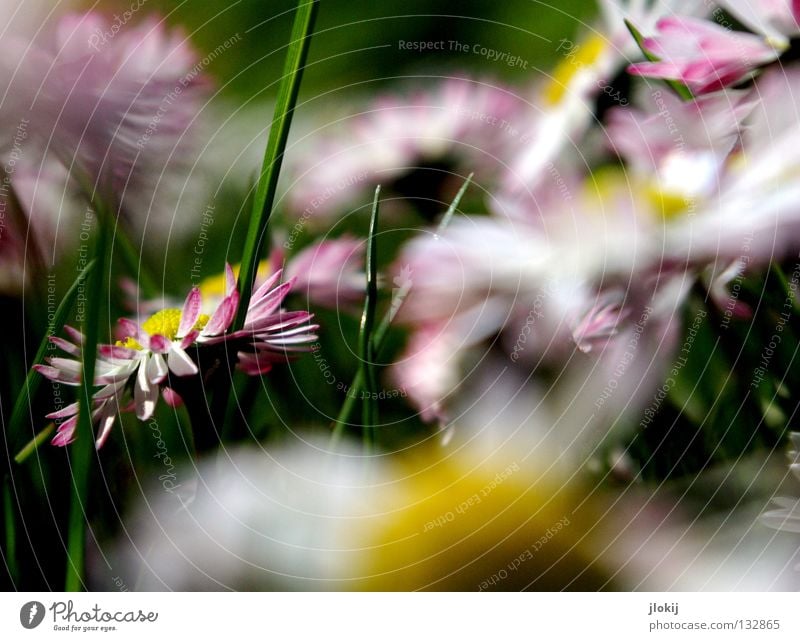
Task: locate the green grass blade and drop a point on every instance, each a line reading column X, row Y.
column 22, row 405
column 34, row 443
column 133, row 265
column 84, row 448
column 785, row 287
column 451, row 210
column 367, row 346
column 11, row 532
column 678, row 87
column 273, row 155
column 265, row 189
column 382, row 330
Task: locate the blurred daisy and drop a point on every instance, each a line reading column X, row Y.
column 301, row 517
column 297, row 516
column 565, row 103
column 147, row 354
column 703, row 55
column 460, row 124
column 116, row 107
column 752, row 211
column 776, row 20
column 541, row 289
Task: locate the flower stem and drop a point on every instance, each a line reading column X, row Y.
column 11, row 533
column 379, row 336
column 34, row 443
column 273, row 155
column 84, row 447
column 369, row 408
column 22, row 405
column 266, row 187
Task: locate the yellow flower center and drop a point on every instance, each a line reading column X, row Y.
column 608, row 186
column 214, row 285
column 669, row 204
column 166, row 323
column 576, row 58
column 130, row 343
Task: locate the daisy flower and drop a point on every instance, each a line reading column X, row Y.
column 328, row 273
column 119, row 112
column 542, row 290
column 171, row 343
column 458, row 124
column 703, row 55
column 776, row 20
column 565, row 102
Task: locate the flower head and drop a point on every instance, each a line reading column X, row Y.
column 702, row 55
column 458, row 124
column 776, row 20
column 170, row 343
column 117, row 107
column 330, row 273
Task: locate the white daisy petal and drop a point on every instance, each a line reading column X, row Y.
column 180, row 363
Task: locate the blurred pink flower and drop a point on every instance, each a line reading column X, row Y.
column 115, row 107
column 529, row 289
column 702, row 55
column 753, row 213
column 147, row 353
column 329, row 273
column 776, row 20
column 565, row 102
column 107, row 105
column 661, row 125
column 459, row 122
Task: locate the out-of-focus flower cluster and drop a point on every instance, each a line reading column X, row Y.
column 659, row 162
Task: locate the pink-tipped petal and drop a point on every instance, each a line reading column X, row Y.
column 223, row 315
column 52, row 373
column 230, row 280
column 66, row 432
column 267, row 285
column 171, row 397
column 191, row 312
column 190, row 338
column 111, row 389
column 159, row 343
column 66, row 412
column 67, row 365
column 105, row 423
column 116, row 351
column 74, row 334
column 65, row 345
column 126, row 328
column 267, row 304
